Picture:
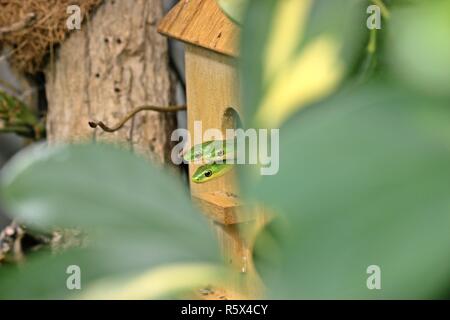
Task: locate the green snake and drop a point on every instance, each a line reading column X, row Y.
column 210, row 171
column 214, row 153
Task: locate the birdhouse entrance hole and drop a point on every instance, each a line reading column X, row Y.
column 231, row 119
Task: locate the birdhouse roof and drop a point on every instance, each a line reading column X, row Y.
column 202, row 23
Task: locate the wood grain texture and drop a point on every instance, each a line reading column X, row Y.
column 212, row 87
column 115, row 63
column 201, row 22
column 221, row 207
column 237, row 248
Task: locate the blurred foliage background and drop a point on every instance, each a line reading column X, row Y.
column 364, row 169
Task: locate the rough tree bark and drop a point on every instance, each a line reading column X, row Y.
column 115, row 63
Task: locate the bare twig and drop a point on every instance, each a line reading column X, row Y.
column 13, row 51
column 95, row 124
column 9, row 86
column 19, row 25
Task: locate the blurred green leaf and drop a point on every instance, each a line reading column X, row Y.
column 419, row 46
column 296, row 52
column 136, row 216
column 234, row 9
column 364, row 180
column 159, row 282
column 44, row 275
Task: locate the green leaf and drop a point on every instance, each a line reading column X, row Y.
column 419, row 46
column 165, row 281
column 364, row 180
column 106, row 273
column 296, row 52
column 137, row 217
column 234, row 9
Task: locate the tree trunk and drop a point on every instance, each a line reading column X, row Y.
column 115, row 63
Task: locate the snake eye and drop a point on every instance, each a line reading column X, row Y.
column 197, row 155
column 208, row 173
column 220, row 153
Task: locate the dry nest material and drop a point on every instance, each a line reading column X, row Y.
column 34, row 27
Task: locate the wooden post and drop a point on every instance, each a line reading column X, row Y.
column 212, row 92
column 213, row 97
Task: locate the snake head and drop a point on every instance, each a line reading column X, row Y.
column 210, row 171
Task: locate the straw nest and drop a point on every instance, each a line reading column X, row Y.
column 33, row 28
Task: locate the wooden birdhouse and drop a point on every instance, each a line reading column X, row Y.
column 212, row 87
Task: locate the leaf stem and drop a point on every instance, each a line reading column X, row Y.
column 9, row 86
column 384, row 10
column 372, row 46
